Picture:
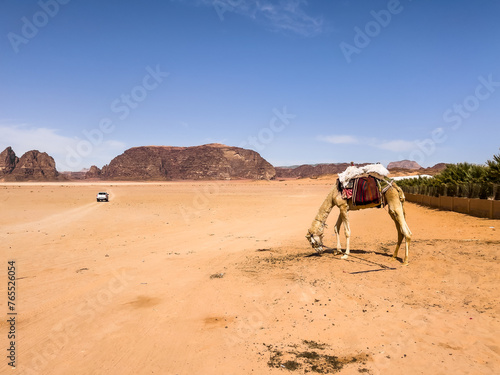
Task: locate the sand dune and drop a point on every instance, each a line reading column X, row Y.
column 217, row 278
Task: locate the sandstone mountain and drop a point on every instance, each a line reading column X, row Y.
column 213, row 161
column 93, row 172
column 33, row 165
column 8, row 161
column 308, row 170
column 435, row 169
column 209, row 162
column 403, row 164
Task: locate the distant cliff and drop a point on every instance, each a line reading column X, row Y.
column 403, row 164
column 212, row 161
column 308, row 170
column 207, row 162
column 93, row 172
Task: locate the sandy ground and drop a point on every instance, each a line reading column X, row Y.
column 217, row 278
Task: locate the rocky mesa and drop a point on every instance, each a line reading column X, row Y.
column 212, row 162
column 403, row 164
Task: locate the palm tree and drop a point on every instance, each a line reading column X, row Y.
column 494, row 169
column 462, row 173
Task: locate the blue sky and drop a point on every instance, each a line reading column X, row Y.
column 297, row 81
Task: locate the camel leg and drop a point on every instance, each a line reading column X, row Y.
column 337, row 233
column 407, row 234
column 400, row 234
column 400, row 240
column 403, row 231
column 344, row 215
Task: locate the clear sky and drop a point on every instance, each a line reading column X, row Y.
column 297, row 81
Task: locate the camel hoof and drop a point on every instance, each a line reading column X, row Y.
column 405, row 263
column 345, row 256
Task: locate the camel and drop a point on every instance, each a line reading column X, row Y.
column 394, row 197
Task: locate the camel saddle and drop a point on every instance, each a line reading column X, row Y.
column 363, row 190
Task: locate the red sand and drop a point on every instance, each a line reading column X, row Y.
column 217, row 278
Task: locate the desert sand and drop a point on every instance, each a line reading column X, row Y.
column 218, row 278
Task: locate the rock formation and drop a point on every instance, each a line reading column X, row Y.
column 207, row 162
column 34, row 165
column 434, row 170
column 93, row 172
column 8, row 161
column 212, row 161
column 403, row 164
column 308, row 170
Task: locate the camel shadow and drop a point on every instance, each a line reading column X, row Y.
column 387, row 255
column 335, row 252
column 352, row 251
column 352, row 256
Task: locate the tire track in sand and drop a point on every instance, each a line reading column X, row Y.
column 56, row 220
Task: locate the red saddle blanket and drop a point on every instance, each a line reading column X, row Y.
column 366, row 191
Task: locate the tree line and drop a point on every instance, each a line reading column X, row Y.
column 460, row 180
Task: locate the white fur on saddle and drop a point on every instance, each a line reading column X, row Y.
column 378, row 170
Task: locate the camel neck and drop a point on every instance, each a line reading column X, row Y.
column 318, row 224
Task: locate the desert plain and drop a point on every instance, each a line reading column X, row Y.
column 218, row 278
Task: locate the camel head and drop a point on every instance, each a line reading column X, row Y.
column 316, row 241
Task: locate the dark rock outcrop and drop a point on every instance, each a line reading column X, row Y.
column 8, row 161
column 34, row 165
column 212, row 161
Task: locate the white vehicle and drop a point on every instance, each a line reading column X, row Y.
column 103, row 196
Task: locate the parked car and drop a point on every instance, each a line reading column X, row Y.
column 103, row 196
